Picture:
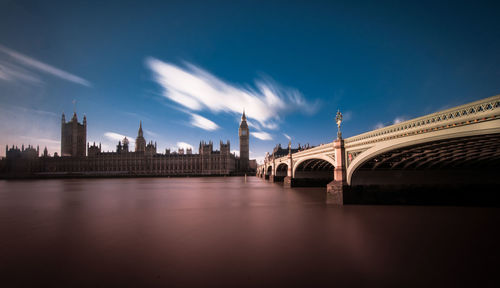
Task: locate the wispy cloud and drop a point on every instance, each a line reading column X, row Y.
column 43, row 67
column 287, row 136
column 39, row 141
column 262, row 135
column 151, row 133
column 399, row 119
column 184, row 145
column 379, row 125
column 236, row 152
column 198, row 90
column 203, row 123
column 116, row 136
column 13, row 73
column 347, row 115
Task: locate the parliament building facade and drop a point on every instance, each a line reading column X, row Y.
column 79, row 158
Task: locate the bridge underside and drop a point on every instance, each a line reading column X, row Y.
column 463, row 160
column 313, row 172
column 454, row 167
column 281, row 172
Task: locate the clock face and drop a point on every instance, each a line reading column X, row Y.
column 244, row 132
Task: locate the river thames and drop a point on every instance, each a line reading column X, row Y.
column 223, row 231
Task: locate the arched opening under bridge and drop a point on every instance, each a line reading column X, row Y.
column 313, row 173
column 268, row 172
column 462, row 171
column 281, row 172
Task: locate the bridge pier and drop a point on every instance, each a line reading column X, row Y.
column 288, row 182
column 335, row 189
column 335, row 193
column 271, row 178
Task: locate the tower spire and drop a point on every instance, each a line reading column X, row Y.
column 244, row 142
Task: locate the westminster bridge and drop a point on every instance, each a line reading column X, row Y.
column 460, row 145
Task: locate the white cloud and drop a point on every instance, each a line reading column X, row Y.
column 399, row 119
column 287, row 136
column 252, row 124
column 116, row 137
column 184, row 145
column 379, row 125
column 237, row 152
column 347, row 115
column 35, row 64
column 203, row 123
column 151, row 133
column 11, row 72
column 262, row 135
column 197, row 90
column 112, row 140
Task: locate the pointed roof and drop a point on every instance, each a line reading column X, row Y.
column 243, row 123
column 140, row 134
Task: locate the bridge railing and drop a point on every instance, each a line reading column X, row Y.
column 481, row 110
column 478, row 110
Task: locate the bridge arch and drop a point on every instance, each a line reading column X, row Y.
column 269, row 169
column 479, row 129
column 300, row 161
column 281, row 167
column 280, row 172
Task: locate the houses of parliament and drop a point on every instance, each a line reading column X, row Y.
column 79, row 158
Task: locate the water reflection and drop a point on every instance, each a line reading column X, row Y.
column 225, row 232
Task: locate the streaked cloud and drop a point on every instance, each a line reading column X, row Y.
column 203, row 123
column 14, row 73
column 287, row 136
column 151, row 133
column 262, row 135
column 399, row 119
column 43, row 67
column 116, row 136
column 198, row 90
column 347, row 115
column 184, row 145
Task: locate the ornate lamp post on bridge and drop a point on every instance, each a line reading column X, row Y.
column 287, row 181
column 335, row 189
column 338, row 119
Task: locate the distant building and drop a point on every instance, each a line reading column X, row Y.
column 73, row 137
column 140, row 142
column 244, row 143
column 144, row 161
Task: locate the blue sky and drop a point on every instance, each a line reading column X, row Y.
column 188, row 68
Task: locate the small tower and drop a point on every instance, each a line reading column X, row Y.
column 73, row 137
column 140, row 142
column 125, row 143
column 244, row 143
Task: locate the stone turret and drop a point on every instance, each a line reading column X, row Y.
column 140, row 142
column 73, row 137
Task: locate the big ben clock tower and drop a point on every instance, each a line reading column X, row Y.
column 244, row 144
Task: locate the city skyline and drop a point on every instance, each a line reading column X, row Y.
column 188, row 77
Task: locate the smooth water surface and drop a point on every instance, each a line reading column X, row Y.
column 179, row 232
